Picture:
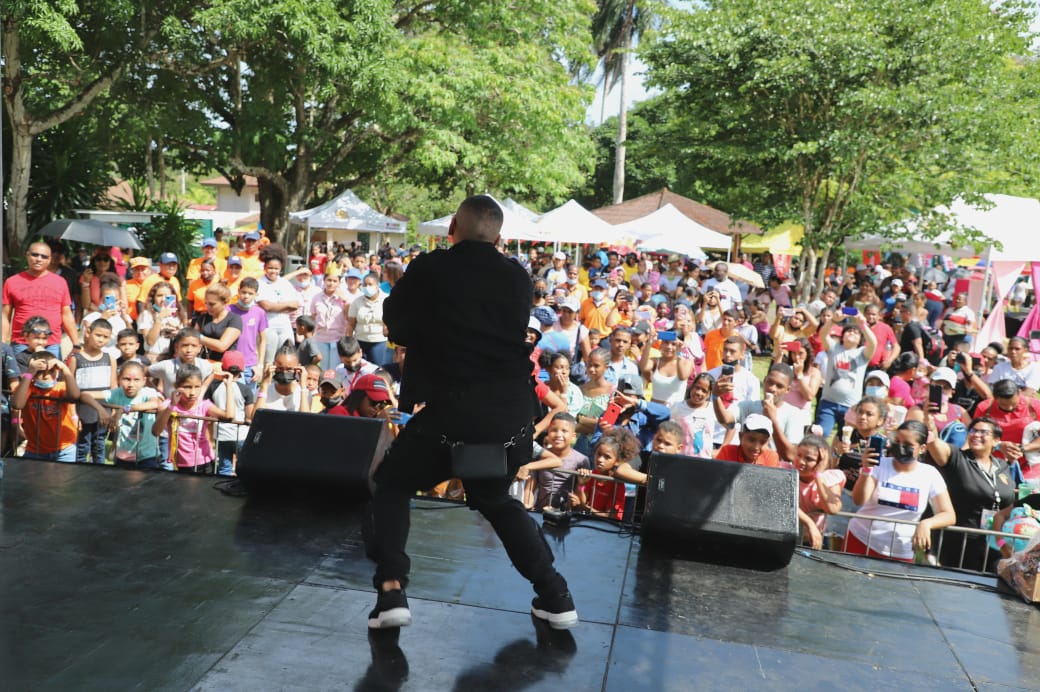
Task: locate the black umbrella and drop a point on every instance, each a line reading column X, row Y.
column 91, row 232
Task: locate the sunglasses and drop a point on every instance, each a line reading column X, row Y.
column 40, row 332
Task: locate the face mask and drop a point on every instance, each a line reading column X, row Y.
column 540, row 294
column 597, row 296
column 284, row 377
column 329, row 402
column 244, row 305
column 45, row 384
column 902, row 452
column 945, row 399
column 370, row 291
column 879, row 392
column 729, row 362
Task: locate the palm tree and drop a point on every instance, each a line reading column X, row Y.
column 616, row 27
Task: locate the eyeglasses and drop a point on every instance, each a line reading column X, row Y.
column 40, row 332
column 39, row 255
column 982, row 432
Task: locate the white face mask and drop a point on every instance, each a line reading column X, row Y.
column 370, row 291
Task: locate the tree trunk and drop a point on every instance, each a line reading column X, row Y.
column 160, row 158
column 807, row 270
column 274, row 209
column 821, row 269
column 16, row 220
column 622, row 130
column 149, row 172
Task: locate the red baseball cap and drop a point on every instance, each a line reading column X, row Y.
column 373, row 386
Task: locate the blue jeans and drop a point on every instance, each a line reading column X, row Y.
column 375, row 352
column 226, row 450
column 65, row 455
column 91, row 442
column 829, row 414
column 329, row 354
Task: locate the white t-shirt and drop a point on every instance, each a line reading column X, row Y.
column 746, row 387
column 699, row 426
column 292, row 401
column 729, row 293
column 277, row 291
column 166, row 372
column 898, row 495
column 369, row 316
column 1029, row 376
column 789, row 417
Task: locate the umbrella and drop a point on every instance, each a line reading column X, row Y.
column 91, row 232
column 738, row 272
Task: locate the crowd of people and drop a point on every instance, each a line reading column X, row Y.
column 874, row 391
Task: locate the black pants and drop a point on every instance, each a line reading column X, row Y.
column 418, row 461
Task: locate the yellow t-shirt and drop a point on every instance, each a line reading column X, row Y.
column 195, row 266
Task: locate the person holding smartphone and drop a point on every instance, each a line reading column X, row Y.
column 847, row 362
column 281, row 388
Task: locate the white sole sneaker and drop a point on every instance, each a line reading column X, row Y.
column 395, row 617
column 558, row 621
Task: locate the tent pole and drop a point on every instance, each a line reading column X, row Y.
column 307, row 247
column 987, row 287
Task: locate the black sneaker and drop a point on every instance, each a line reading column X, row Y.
column 557, row 610
column 391, row 611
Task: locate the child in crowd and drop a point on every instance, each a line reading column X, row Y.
column 191, row 447
column 251, row 341
column 819, row 488
column 696, row 417
column 555, row 488
column 36, row 331
column 158, row 319
column 48, row 419
column 312, row 376
column 282, row 387
column 600, row 497
column 230, row 436
column 136, row 445
column 129, row 344
column 352, row 362
column 185, row 346
column 113, row 310
column 331, row 395
column 95, row 373
column 307, row 351
column 595, row 337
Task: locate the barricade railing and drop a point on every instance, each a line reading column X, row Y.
column 961, row 533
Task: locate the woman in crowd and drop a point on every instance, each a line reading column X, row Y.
column 278, row 299
column 667, row 373
column 868, row 420
column 219, row 327
column 847, row 362
column 696, row 416
column 159, row 321
column 365, row 321
column 101, row 267
column 561, row 385
column 980, row 485
column 329, row 310
column 819, row 488
column 195, row 296
column 898, row 486
column 1019, row 367
column 282, row 387
column 807, row 378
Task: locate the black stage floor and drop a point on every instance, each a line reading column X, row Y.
column 115, row 580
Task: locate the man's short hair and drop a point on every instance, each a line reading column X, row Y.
column 347, row 346
column 1005, row 389
column 479, row 218
column 250, row 282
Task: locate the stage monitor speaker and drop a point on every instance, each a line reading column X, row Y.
column 328, row 454
column 736, row 510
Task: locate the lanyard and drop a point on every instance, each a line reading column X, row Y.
column 991, row 478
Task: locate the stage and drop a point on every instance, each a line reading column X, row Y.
column 119, row 580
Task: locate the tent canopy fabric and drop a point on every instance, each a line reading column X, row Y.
column 637, row 207
column 670, row 230
column 1012, row 221
column 514, row 225
column 573, row 223
column 781, row 240
column 347, row 211
column 519, row 209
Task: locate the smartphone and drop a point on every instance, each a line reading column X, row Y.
column 171, row 300
column 851, row 312
column 614, row 410
column 110, row 302
column 877, row 443
column 727, row 371
column 976, row 363
column 786, row 312
column 666, row 335
column 935, row 393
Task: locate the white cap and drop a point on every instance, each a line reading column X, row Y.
column 946, row 375
column 879, row 375
column 758, row 422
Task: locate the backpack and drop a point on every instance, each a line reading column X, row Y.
column 933, row 344
column 954, row 434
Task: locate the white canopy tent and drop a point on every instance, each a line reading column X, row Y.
column 668, row 229
column 514, row 226
column 350, row 215
column 520, row 210
column 573, row 223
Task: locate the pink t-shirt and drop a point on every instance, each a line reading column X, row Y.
column 809, row 495
column 46, row 295
column 192, row 446
column 899, row 389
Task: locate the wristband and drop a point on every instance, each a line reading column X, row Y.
column 866, row 470
column 16, row 421
column 27, row 375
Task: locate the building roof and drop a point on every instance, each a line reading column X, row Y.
column 701, row 213
column 221, row 180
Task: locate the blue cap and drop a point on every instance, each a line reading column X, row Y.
column 545, row 315
column 354, row 273
column 252, row 235
column 168, row 258
column 209, row 242
column 236, row 261
column 600, row 283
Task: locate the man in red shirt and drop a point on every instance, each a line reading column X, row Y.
column 37, row 291
column 1013, row 411
column 754, row 438
column 887, row 343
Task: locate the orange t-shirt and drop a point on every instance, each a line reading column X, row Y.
column 596, row 316
column 197, row 293
column 49, row 424
column 768, row 457
column 713, row 342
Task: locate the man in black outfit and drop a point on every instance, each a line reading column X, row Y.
column 467, row 361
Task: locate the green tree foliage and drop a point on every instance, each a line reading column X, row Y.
column 70, row 171
column 841, row 116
